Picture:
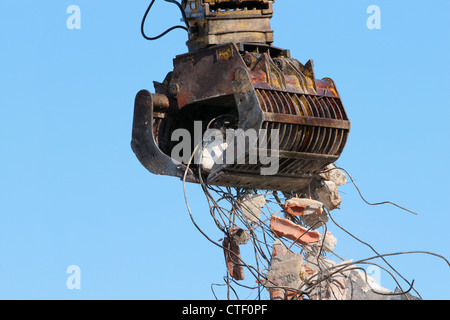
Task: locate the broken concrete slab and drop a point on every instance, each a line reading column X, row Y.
column 328, row 194
column 315, row 221
column 285, row 271
column 303, row 206
column 350, row 283
column 251, row 205
column 292, row 231
column 327, row 242
column 327, row 284
column 335, row 175
column 318, row 264
column 405, row 296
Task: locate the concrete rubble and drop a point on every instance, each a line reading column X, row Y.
column 315, row 221
column 296, row 276
column 328, row 194
column 335, row 175
column 310, row 211
column 239, row 236
column 251, row 205
column 327, row 242
column 343, row 281
column 285, row 276
column 308, row 274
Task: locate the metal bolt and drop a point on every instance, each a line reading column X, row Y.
column 174, row 88
column 248, row 61
column 279, row 64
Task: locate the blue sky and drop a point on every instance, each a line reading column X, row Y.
column 73, row 193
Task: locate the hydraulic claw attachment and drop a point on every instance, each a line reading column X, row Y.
column 237, row 111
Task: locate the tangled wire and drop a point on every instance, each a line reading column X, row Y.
column 230, row 212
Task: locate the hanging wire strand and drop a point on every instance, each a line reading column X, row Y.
column 368, row 245
column 186, row 28
column 226, row 209
column 325, row 274
column 252, row 269
column 362, row 197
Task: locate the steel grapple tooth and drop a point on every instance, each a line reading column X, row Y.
column 234, row 79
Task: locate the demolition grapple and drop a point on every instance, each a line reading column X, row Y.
column 234, row 76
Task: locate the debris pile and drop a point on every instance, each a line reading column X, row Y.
column 282, row 242
column 286, row 273
column 232, row 94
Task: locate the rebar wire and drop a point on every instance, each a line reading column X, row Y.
column 168, row 30
column 269, row 284
column 346, row 267
column 411, row 287
column 252, row 270
column 360, row 193
column 226, row 210
column 368, row 245
column 352, row 266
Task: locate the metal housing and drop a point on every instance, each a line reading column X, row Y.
column 238, row 73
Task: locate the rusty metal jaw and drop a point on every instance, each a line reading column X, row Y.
column 250, row 116
column 263, row 89
column 144, row 144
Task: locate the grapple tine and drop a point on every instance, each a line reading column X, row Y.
column 143, row 141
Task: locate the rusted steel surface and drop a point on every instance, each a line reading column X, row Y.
column 160, row 101
column 215, row 22
column 308, row 121
column 241, row 76
column 144, row 142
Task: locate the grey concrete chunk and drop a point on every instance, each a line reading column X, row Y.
column 251, row 206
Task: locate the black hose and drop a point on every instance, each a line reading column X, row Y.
column 168, row 30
